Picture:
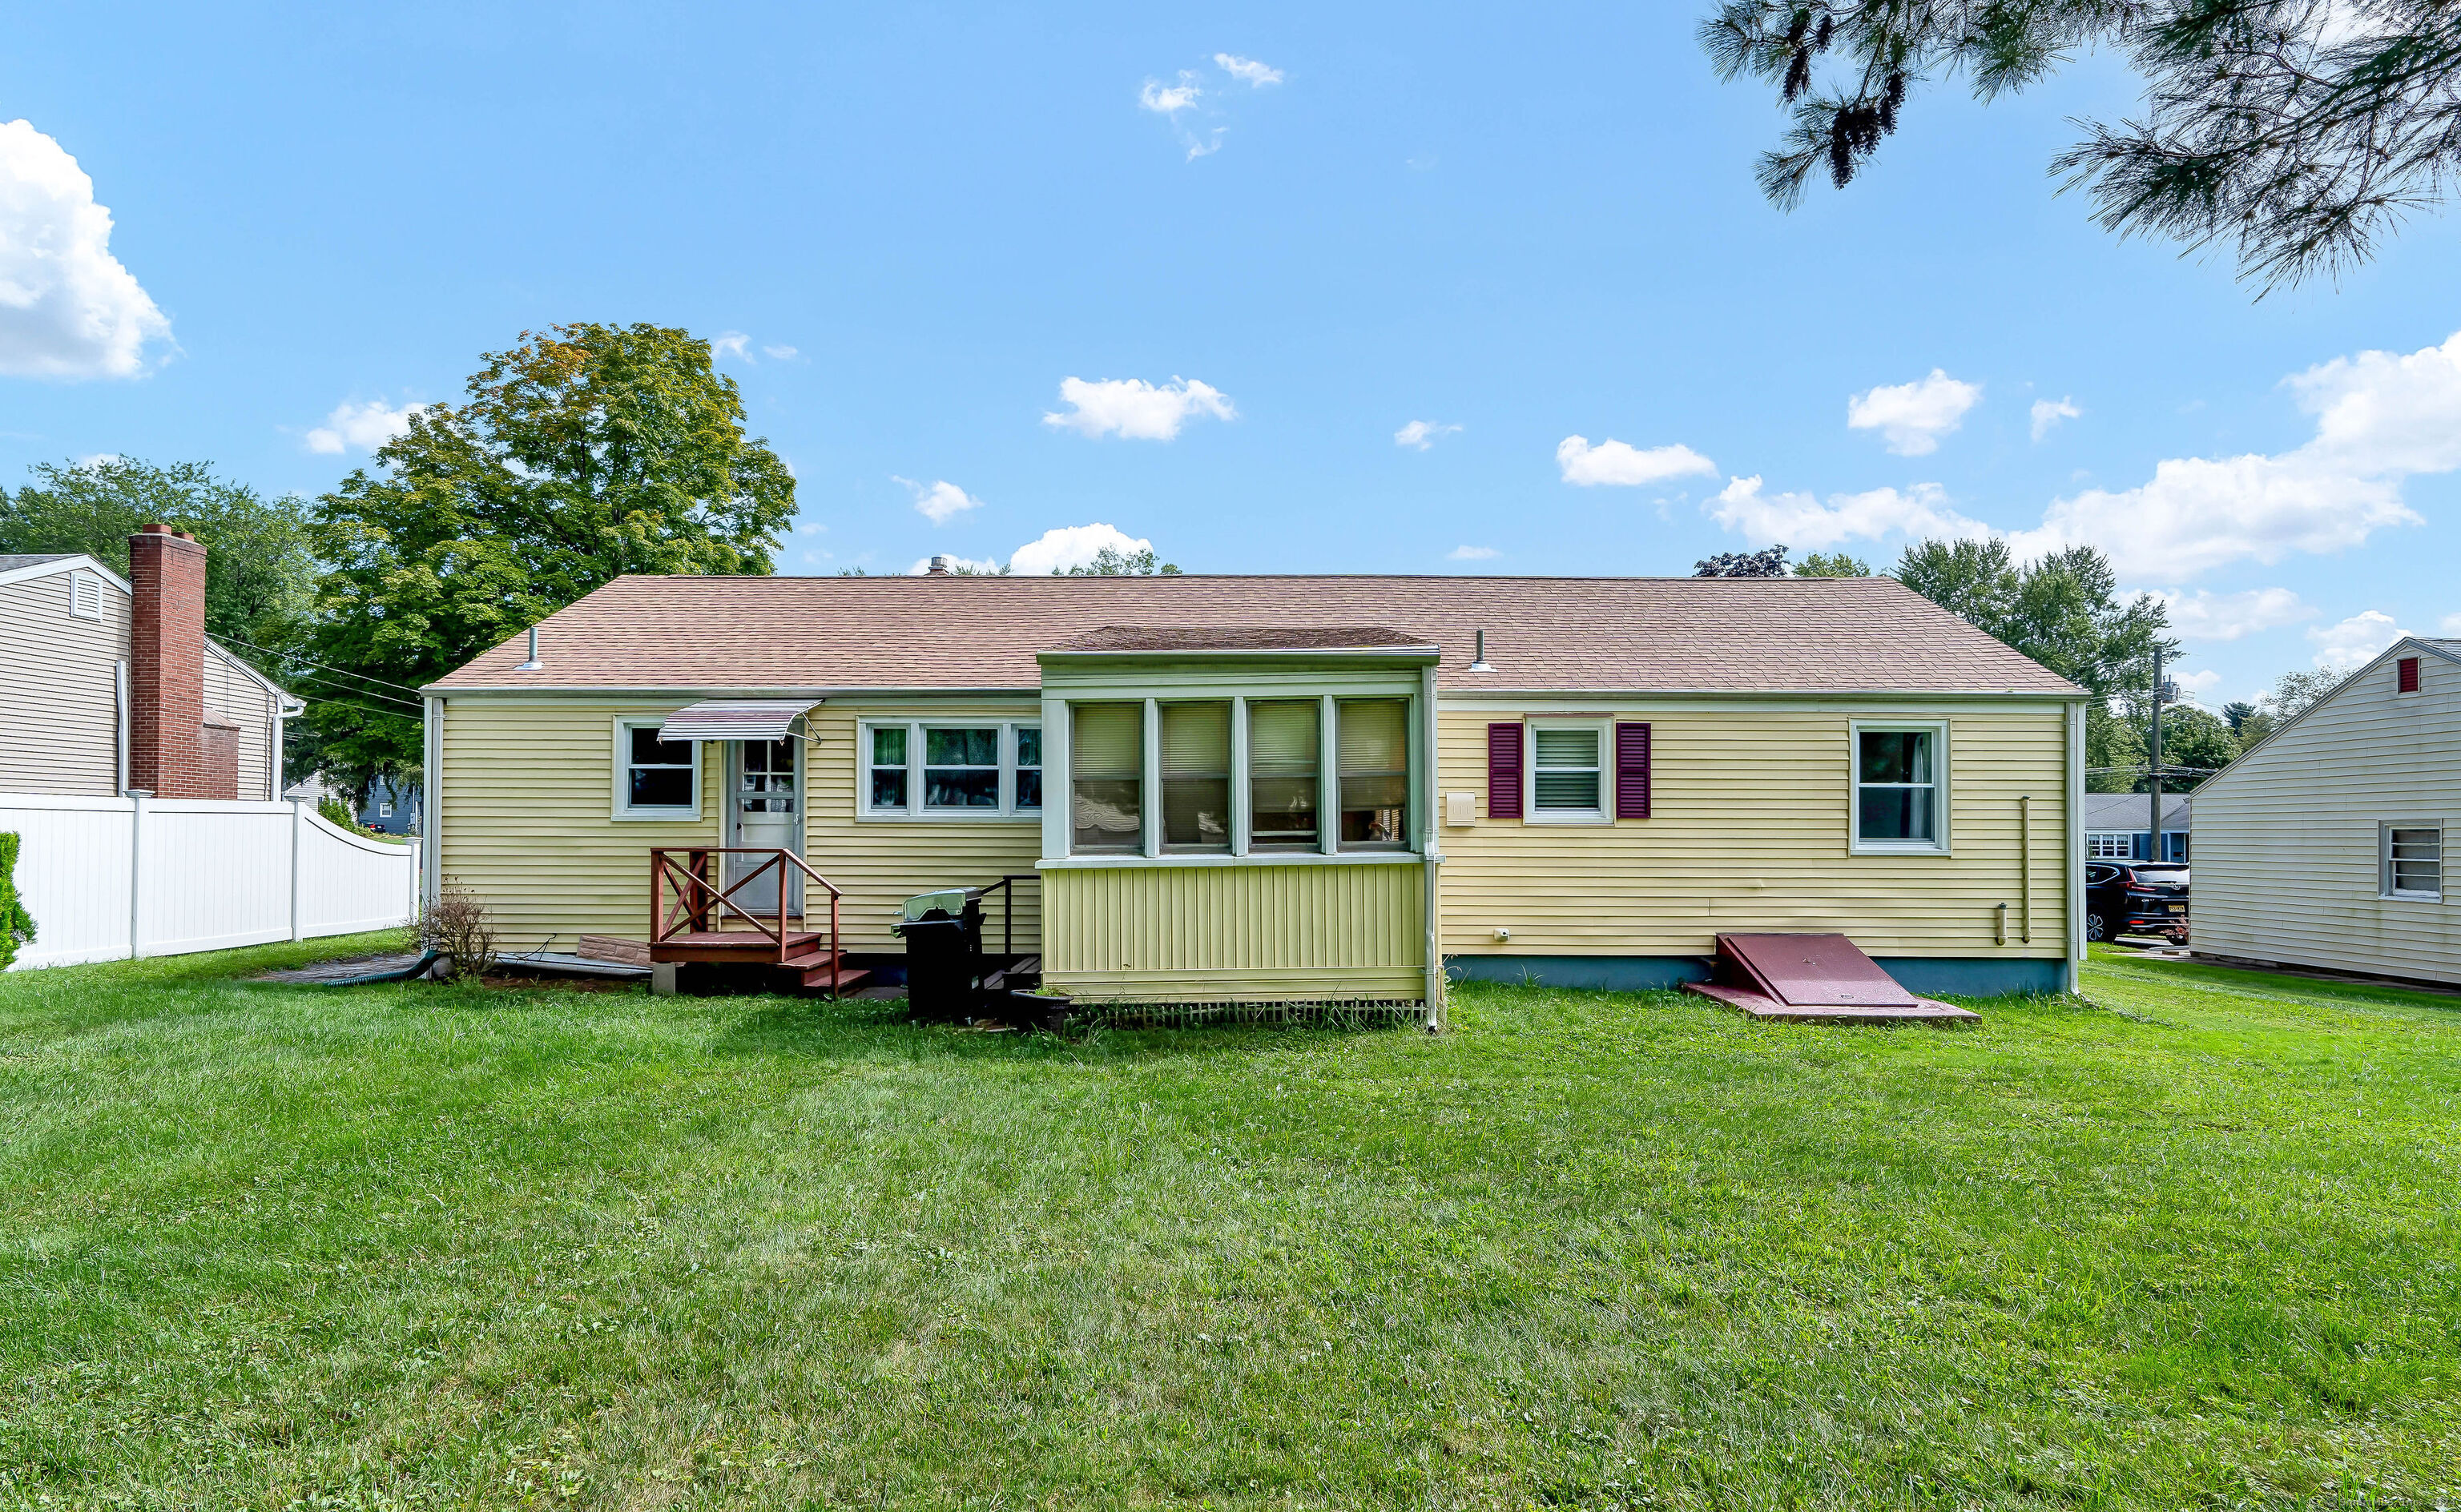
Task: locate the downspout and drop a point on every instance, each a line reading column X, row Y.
column 1433, row 853
column 2073, row 862
column 432, row 817
column 120, row 700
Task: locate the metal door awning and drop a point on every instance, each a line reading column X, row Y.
column 738, row 719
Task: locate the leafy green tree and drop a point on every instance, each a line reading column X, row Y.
column 2064, row 612
column 1769, row 561
column 1833, row 565
column 586, row 452
column 2194, row 746
column 2297, row 131
column 2295, row 690
column 1110, row 561
column 259, row 574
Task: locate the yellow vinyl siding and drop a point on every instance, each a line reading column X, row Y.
column 2286, row 840
column 1749, row 832
column 528, row 787
column 881, row 863
column 1253, row 933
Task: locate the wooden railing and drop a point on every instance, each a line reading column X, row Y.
column 685, row 898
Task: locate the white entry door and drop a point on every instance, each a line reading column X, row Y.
column 765, row 808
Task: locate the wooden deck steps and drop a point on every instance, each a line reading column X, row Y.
column 813, row 968
column 1815, row 979
column 746, row 947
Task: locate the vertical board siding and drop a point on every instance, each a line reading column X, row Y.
column 2285, row 859
column 1242, row 934
column 1748, row 832
column 63, row 707
column 529, row 789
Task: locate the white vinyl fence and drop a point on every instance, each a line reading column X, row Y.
column 109, row 878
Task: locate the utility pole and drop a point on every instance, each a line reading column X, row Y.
column 2153, row 764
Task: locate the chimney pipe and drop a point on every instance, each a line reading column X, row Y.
column 939, row 568
column 166, row 664
column 1478, row 661
column 533, row 665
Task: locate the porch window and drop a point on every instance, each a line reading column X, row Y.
column 655, row 778
column 2412, row 864
column 1283, row 773
column 961, row 767
column 1567, row 771
column 1106, row 777
column 1373, row 747
column 2109, row 845
column 1196, row 777
column 1899, row 787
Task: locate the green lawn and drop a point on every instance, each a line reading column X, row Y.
column 2190, row 1243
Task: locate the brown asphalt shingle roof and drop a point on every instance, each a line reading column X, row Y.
column 1297, row 638
column 1568, row 634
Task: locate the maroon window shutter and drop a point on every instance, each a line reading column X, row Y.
column 1504, row 770
column 1632, row 770
column 2408, row 674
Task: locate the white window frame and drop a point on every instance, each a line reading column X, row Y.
column 623, row 808
column 2096, row 840
column 1938, row 845
column 2383, row 861
column 913, row 811
column 1531, row 812
column 85, row 595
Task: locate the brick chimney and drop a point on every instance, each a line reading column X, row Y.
column 166, row 664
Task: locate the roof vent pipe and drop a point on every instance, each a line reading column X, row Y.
column 1478, row 662
column 939, row 568
column 533, row 665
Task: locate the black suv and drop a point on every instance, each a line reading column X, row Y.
column 2136, row 896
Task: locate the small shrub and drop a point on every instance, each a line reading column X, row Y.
column 456, row 927
column 16, row 925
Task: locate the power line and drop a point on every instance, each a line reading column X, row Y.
column 364, row 692
column 389, row 714
column 294, row 656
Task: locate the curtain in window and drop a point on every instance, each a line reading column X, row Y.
column 1282, row 772
column 1196, row 777
column 1106, row 771
column 1372, row 741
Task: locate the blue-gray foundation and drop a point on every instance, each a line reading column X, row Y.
column 1951, row 976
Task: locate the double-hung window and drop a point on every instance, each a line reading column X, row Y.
column 2410, row 861
column 1373, row 743
column 1900, row 788
column 1285, row 773
column 2110, row 845
column 934, row 769
column 1568, row 773
column 654, row 778
column 1196, row 777
column 1107, row 755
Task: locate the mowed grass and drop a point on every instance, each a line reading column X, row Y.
column 2189, row 1242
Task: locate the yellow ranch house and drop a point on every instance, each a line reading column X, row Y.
column 1243, row 790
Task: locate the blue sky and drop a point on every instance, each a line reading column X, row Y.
column 1518, row 229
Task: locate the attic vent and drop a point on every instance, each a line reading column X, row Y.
column 2408, row 674
column 85, row 596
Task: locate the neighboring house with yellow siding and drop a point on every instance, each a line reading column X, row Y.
column 1264, row 789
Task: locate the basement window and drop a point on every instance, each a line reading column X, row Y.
column 2411, row 862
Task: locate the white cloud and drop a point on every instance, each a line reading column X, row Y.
column 2354, row 640
column 1072, row 546
column 1423, row 434
column 2451, row 625
column 2199, row 684
column 2381, row 418
column 1805, row 521
column 1912, row 417
column 781, row 353
column 1170, row 99
column 364, row 426
column 731, row 344
column 68, row 309
column 1247, row 69
column 1205, row 147
column 939, row 501
column 2048, row 412
column 2203, row 616
column 1620, row 464
column 1138, row 409
column 1472, row 554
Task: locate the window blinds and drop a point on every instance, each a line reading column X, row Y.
column 1373, row 735
column 1109, row 741
column 1282, row 738
column 1195, row 740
